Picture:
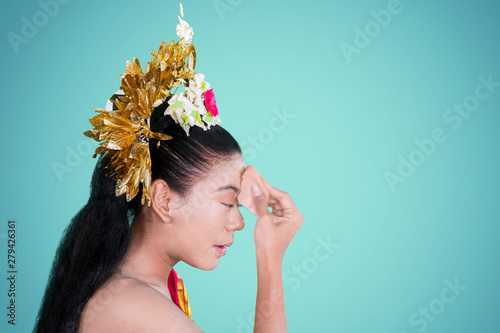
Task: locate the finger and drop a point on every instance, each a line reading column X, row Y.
column 250, row 177
column 260, row 201
column 280, row 198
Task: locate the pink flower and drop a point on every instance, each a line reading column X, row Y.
column 210, row 102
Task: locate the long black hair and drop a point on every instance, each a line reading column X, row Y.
column 97, row 237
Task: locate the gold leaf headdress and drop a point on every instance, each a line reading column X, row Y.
column 124, row 134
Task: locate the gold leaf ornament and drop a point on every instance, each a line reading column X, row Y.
column 124, row 134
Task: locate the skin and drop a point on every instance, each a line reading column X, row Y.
column 136, row 297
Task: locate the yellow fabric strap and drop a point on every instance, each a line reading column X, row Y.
column 183, row 297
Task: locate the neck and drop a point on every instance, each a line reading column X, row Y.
column 144, row 260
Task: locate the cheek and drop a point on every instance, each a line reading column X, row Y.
column 205, row 220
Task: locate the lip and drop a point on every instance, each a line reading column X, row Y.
column 220, row 249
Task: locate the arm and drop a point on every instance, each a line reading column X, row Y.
column 273, row 232
column 270, row 315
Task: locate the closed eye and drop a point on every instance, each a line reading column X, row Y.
column 231, row 205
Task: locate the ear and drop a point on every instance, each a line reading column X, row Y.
column 161, row 195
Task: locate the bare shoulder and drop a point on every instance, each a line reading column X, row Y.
column 128, row 305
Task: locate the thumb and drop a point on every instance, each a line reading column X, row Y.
column 260, row 201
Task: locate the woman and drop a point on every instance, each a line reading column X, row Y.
column 192, row 221
column 113, row 271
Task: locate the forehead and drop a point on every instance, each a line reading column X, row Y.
column 224, row 173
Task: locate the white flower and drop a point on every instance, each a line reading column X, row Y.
column 188, row 108
column 184, row 31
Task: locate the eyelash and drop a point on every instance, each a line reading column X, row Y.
column 231, row 205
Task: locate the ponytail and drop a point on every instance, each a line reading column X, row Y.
column 92, row 245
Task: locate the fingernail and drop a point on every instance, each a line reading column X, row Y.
column 256, row 191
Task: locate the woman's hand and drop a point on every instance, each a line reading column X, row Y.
column 273, row 230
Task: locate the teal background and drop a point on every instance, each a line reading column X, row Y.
column 351, row 118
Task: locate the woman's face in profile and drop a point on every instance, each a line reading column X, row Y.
column 203, row 225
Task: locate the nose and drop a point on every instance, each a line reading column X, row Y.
column 236, row 223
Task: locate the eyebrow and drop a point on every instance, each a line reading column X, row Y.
column 228, row 187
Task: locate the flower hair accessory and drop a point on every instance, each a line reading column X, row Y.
column 124, row 134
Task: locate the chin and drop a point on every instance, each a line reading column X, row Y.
column 211, row 268
column 207, row 265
